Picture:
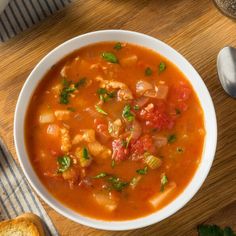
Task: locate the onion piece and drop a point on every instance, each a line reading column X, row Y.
column 62, row 114
column 143, row 86
column 157, row 199
column 105, row 200
column 141, row 101
column 161, row 91
column 53, row 130
column 136, row 130
column 129, row 61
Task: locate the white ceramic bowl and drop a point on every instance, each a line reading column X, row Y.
column 166, row 51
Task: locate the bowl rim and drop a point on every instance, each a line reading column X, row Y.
column 142, row 40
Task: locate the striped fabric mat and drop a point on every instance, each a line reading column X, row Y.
column 22, row 14
column 16, row 196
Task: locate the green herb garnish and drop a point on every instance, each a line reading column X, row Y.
column 117, row 184
column 177, row 111
column 179, row 149
column 105, row 95
column 72, row 109
column 136, row 107
column 80, row 83
column 64, row 163
column 67, row 90
column 85, row 154
column 127, row 113
column 148, row 71
column 124, row 143
column 171, row 138
column 162, row 67
column 142, row 171
column 118, row 46
column 99, row 109
column 110, row 57
column 164, row 182
column 101, row 175
column 214, row 230
column 113, row 163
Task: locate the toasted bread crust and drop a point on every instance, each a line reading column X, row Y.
column 27, row 224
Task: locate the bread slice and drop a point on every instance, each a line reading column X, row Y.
column 27, row 224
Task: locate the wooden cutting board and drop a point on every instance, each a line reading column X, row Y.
column 198, row 31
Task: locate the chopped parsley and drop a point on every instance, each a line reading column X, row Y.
column 142, row 171
column 80, row 83
column 162, row 67
column 110, row 57
column 127, row 113
column 171, row 138
column 148, row 71
column 113, row 163
column 117, row 184
column 177, row 111
column 136, row 107
column 105, row 95
column 100, row 175
column 124, row 143
column 179, row 149
column 214, row 230
column 85, row 153
column 64, row 163
column 99, row 109
column 68, row 88
column 118, row 46
column 164, row 182
column 72, row 109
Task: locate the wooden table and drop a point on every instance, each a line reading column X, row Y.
column 198, row 31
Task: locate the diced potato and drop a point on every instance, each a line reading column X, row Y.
column 70, row 174
column 129, row 61
column 62, row 114
column 153, row 162
column 65, row 140
column 157, row 199
column 106, row 153
column 53, row 130
column 98, row 150
column 115, row 128
column 106, row 200
column 84, row 162
column 77, row 139
column 89, row 135
column 46, row 117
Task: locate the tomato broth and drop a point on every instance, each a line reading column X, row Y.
column 114, row 131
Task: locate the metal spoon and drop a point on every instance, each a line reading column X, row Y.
column 226, row 65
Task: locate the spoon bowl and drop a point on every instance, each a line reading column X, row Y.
column 226, row 66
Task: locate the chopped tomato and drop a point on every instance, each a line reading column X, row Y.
column 140, row 146
column 183, row 92
column 120, row 152
column 156, row 117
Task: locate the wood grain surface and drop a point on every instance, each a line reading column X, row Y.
column 193, row 27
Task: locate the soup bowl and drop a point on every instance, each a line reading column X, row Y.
column 166, row 51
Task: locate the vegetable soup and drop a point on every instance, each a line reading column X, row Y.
column 115, row 131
